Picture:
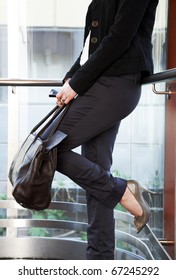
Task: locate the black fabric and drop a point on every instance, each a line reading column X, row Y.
column 92, row 122
column 123, row 41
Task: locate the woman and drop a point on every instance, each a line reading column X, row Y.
column 104, row 86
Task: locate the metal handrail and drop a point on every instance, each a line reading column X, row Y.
column 27, row 247
column 164, row 76
column 30, row 82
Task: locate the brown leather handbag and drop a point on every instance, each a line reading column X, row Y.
column 33, row 167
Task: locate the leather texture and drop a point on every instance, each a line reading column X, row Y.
column 33, row 167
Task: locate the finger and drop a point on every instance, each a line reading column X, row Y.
column 68, row 99
column 63, row 99
column 60, row 98
column 59, row 101
column 58, row 95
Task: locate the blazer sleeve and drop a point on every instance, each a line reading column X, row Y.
column 113, row 46
column 73, row 69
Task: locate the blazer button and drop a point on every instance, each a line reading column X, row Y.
column 94, row 40
column 95, row 23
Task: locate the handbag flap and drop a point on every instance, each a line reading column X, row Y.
column 55, row 139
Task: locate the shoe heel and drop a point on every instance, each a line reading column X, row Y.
column 138, row 190
column 147, row 191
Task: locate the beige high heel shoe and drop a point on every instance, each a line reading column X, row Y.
column 137, row 190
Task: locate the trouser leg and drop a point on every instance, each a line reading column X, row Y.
column 92, row 177
column 100, row 232
column 104, row 105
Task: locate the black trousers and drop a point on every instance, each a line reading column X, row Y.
column 92, row 121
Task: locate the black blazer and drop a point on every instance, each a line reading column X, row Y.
column 120, row 41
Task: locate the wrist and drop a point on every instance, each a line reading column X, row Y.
column 67, row 80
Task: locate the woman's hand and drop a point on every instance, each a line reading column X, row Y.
column 65, row 95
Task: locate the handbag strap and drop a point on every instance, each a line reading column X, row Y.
column 55, row 126
column 55, row 111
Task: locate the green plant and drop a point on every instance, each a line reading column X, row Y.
column 3, row 197
column 63, row 184
column 117, row 173
column 156, row 182
column 84, row 236
column 123, row 245
column 119, row 207
column 38, row 232
column 46, row 215
column 2, row 215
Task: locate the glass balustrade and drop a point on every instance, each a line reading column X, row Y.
column 40, row 40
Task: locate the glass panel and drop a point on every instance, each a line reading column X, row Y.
column 139, row 150
column 44, row 44
column 3, row 97
column 36, row 46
